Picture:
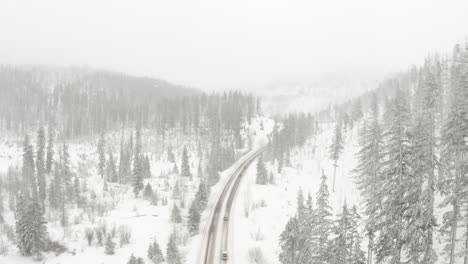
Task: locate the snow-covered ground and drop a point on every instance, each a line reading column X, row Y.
column 116, row 209
column 263, row 210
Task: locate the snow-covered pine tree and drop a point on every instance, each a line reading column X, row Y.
column 185, row 167
column 368, row 171
column 50, row 149
column 101, row 150
column 336, row 148
column 357, row 255
column 31, row 228
column 262, row 174
column 124, row 162
column 454, row 154
column 147, row 167
column 109, row 246
column 193, row 223
column 175, row 215
column 40, row 159
column 56, row 193
column 201, row 196
column 343, row 237
column 323, row 224
column 148, row 192
column 66, row 172
column 304, row 240
column 172, row 252
column 424, row 165
column 396, row 168
column 132, row 260
column 154, row 253
column 28, row 170
column 288, row 242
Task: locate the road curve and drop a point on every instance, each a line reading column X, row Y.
column 216, row 237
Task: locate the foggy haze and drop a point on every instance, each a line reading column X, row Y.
column 216, row 45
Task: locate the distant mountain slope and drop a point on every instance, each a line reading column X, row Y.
column 81, row 100
column 314, row 93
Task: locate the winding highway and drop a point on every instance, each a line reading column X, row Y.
column 215, row 240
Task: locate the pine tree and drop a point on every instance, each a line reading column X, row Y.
column 201, row 197
column 397, row 171
column 357, row 255
column 424, row 165
column 56, row 188
column 288, row 242
column 50, row 150
column 109, row 246
column 323, row 223
column 148, row 192
column 124, row 162
column 368, row 172
column 101, row 146
column 66, row 172
column 137, row 175
column 193, row 222
column 147, row 167
column 41, row 180
column 185, row 168
column 262, row 175
column 31, row 228
column 343, row 231
column 20, row 224
column 132, row 260
column 175, row 215
column 28, row 170
column 154, row 253
column 76, row 189
column 172, row 252
column 454, row 153
column 335, row 150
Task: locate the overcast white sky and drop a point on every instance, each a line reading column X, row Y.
column 221, row 44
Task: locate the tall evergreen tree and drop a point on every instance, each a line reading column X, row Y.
column 172, row 252
column 154, row 253
column 262, row 174
column 175, row 215
column 201, row 196
column 31, row 228
column 101, row 150
column 368, row 171
column 323, row 223
column 50, row 149
column 454, row 154
column 40, row 159
column 193, row 223
column 28, row 170
column 185, row 168
column 396, row 168
column 288, row 242
column 336, row 149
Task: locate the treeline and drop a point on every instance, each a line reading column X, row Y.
column 86, row 102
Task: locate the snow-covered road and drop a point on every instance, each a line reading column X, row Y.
column 216, row 239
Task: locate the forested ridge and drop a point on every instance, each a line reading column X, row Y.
column 411, row 172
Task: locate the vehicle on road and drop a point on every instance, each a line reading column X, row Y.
column 224, row 255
